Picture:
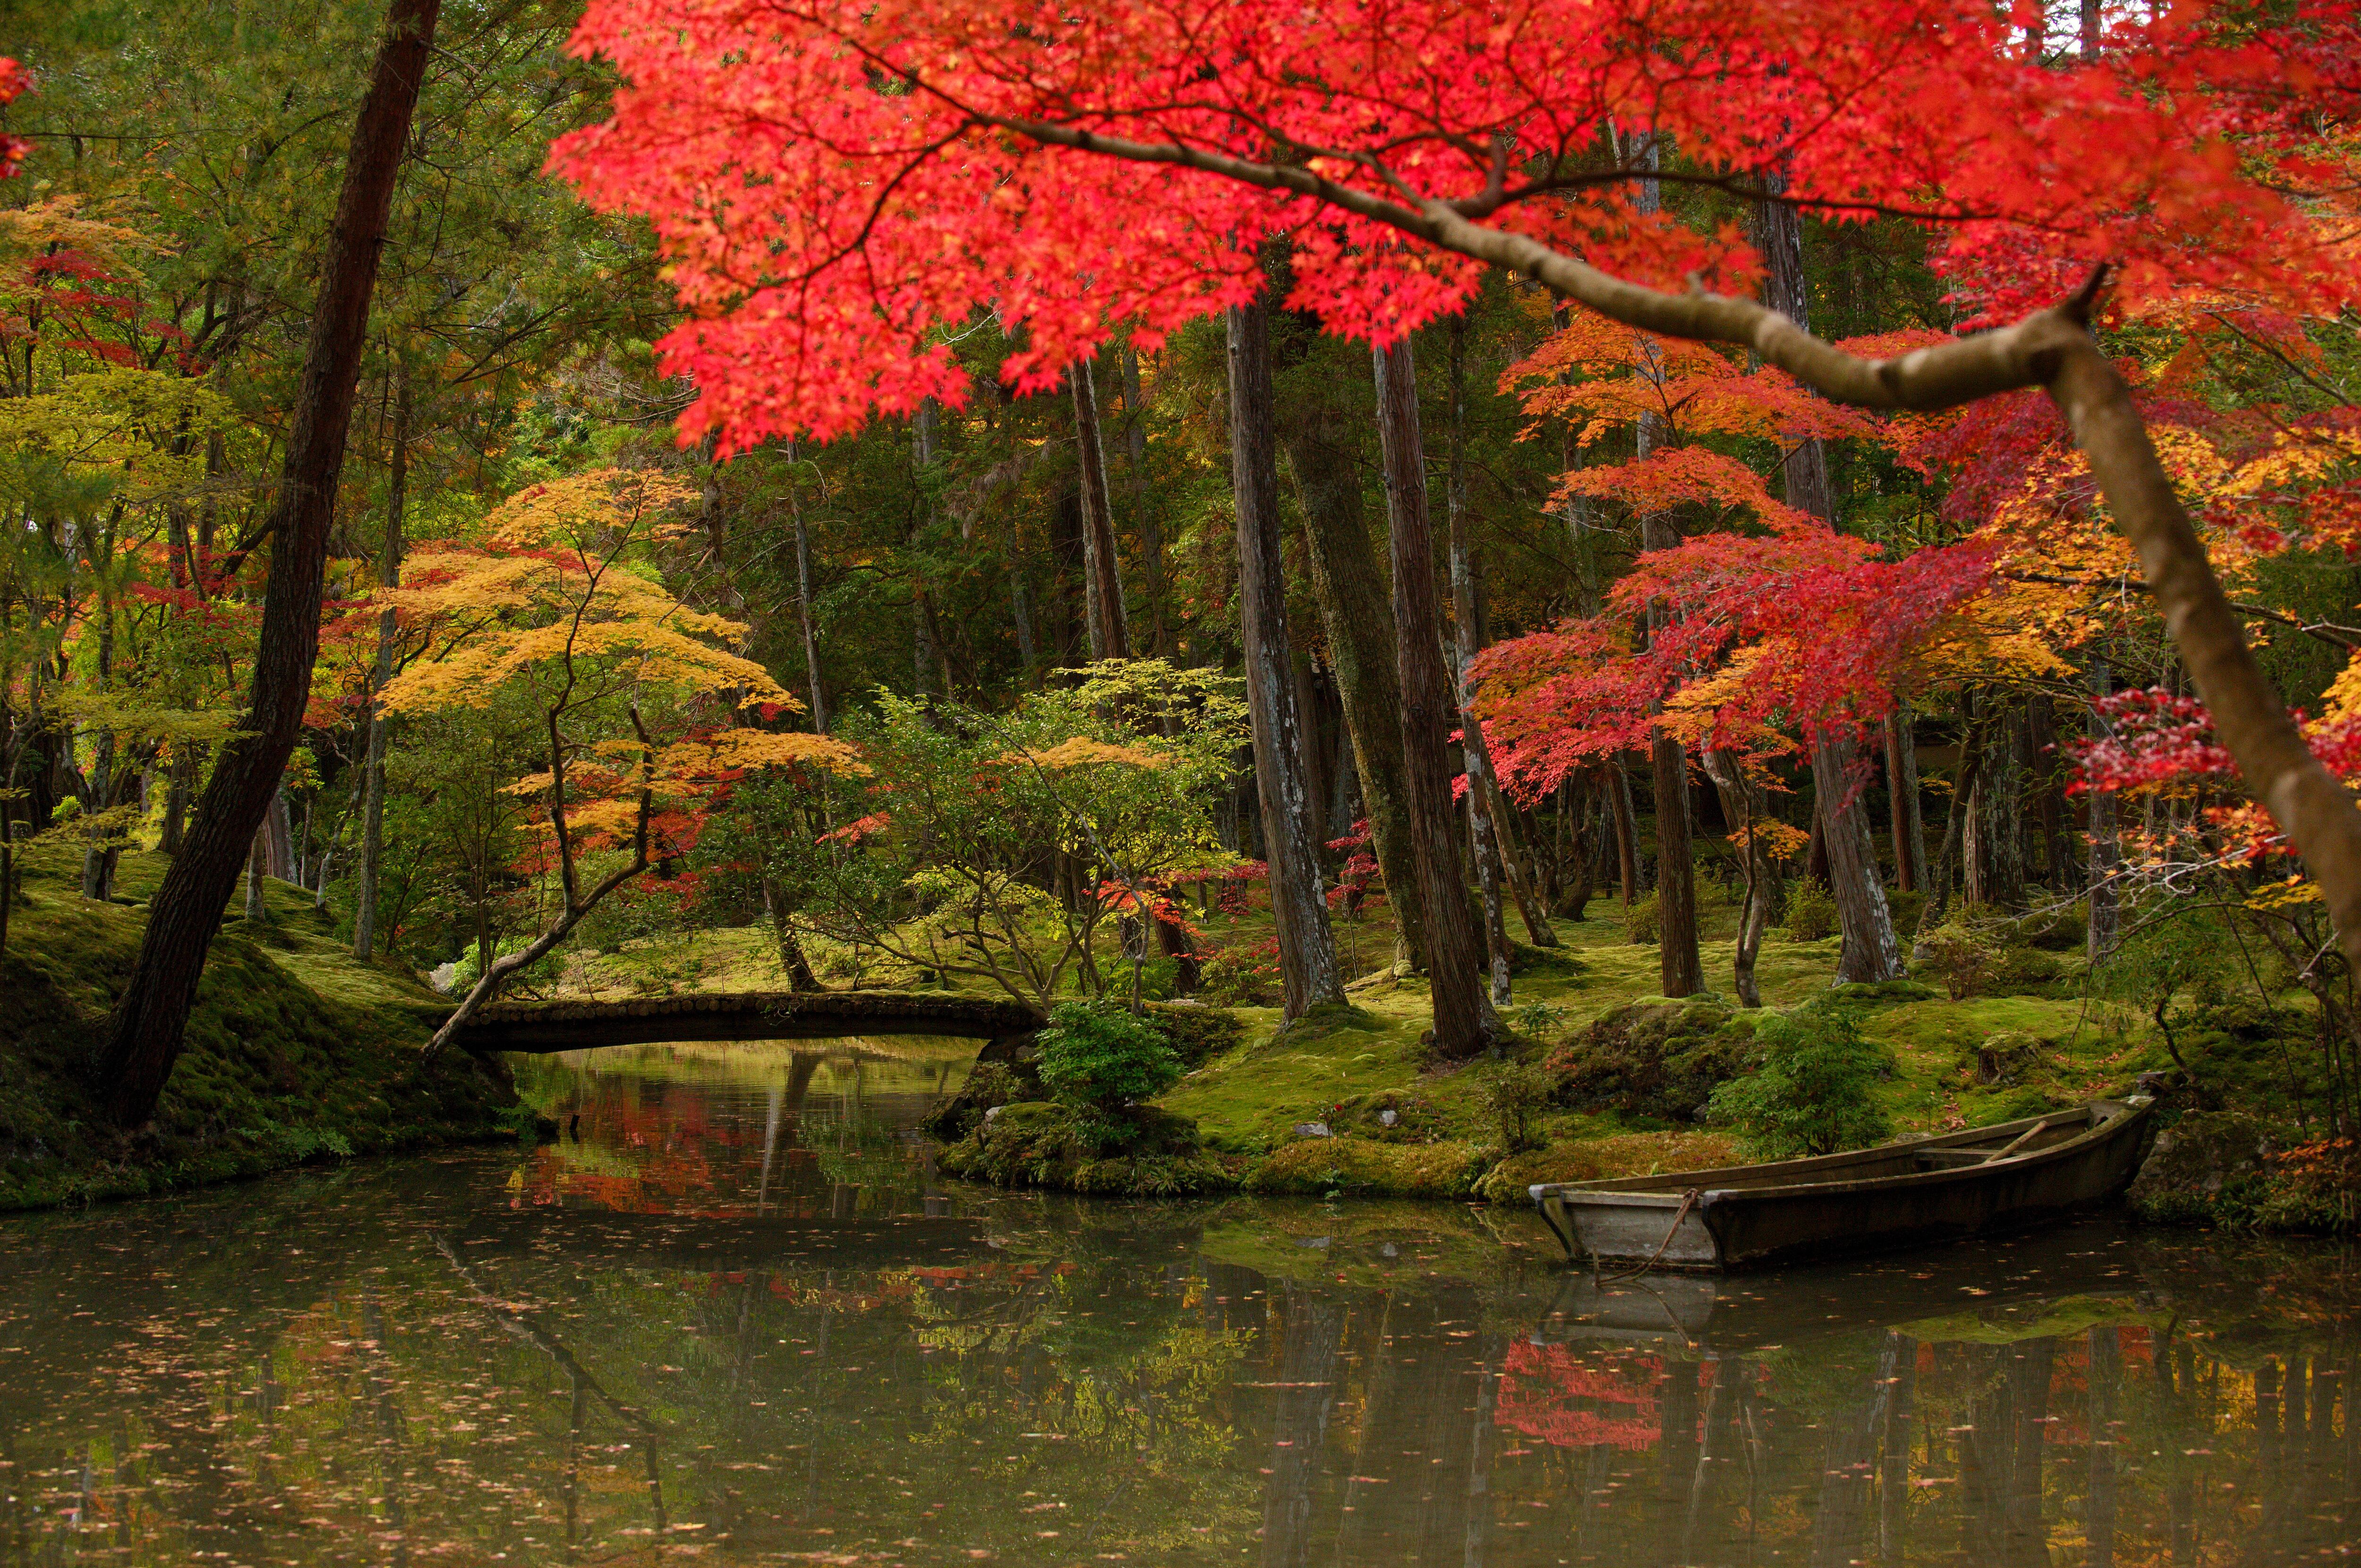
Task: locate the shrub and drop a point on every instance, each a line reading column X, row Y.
column 1101, row 1060
column 2020, row 969
column 1197, row 1034
column 1642, row 923
column 1241, row 976
column 1960, row 959
column 2059, row 930
column 1539, row 1020
column 1813, row 1094
column 1811, row 912
column 1515, row 1098
column 1044, row 1144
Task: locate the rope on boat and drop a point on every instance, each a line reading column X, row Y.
column 1689, row 1200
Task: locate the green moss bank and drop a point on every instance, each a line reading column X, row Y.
column 296, row 1053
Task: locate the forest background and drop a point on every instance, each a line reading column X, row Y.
column 1009, row 694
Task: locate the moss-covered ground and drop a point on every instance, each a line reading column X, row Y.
column 1345, row 1070
column 1402, row 1126
column 295, row 1052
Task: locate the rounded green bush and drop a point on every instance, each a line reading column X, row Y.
column 1814, row 1093
column 1098, row 1057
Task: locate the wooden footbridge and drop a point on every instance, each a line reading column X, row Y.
column 540, row 1029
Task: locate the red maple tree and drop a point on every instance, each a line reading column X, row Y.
column 836, row 183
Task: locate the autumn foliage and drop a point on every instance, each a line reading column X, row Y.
column 833, row 183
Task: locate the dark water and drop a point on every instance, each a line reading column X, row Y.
column 740, row 1318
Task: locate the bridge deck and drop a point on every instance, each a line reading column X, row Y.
column 543, row 1028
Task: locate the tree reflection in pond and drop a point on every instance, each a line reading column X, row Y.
column 741, row 1319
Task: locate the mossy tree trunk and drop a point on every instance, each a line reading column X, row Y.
column 1307, row 949
column 1465, row 1023
column 142, row 1040
column 1351, row 592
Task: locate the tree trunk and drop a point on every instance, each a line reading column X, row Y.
column 1315, row 774
column 1155, row 577
column 1467, row 615
column 1463, row 1021
column 1307, row 950
column 143, row 1036
column 927, row 677
column 1745, row 805
column 1870, row 950
column 1352, row 595
column 1680, row 968
column 2106, row 854
column 1109, row 635
column 256, row 855
column 1627, row 832
column 388, row 575
column 804, row 609
column 783, row 935
column 1938, row 880
column 97, row 864
column 1902, row 788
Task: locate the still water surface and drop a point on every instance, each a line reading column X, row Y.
column 735, row 1315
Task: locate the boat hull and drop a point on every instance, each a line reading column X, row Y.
column 1899, row 1195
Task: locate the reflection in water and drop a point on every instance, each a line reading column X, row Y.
column 734, row 1315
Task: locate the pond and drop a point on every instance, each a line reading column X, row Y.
column 732, row 1313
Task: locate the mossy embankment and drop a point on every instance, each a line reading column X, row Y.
column 1349, row 1102
column 295, row 1052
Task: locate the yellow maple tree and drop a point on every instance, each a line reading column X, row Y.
column 559, row 610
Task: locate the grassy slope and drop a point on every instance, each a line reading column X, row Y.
column 295, row 1051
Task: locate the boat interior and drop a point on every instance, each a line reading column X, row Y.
column 1952, row 1151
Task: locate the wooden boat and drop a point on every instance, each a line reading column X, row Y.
column 1895, row 1195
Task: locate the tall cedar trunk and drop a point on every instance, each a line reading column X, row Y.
column 1902, row 789
column 1307, row 950
column 97, row 861
column 143, row 1036
column 1153, row 571
column 927, row 673
column 2106, row 852
column 1315, row 747
column 1484, row 833
column 1463, row 1021
column 804, row 603
column 181, row 778
column 1468, row 614
column 1869, row 952
column 1678, row 963
column 1351, row 592
column 256, row 854
column 1681, row 971
column 1627, row 832
column 280, row 826
column 1939, row 878
column 2048, row 798
column 388, row 575
column 1109, row 635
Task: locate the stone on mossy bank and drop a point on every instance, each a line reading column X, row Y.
column 1040, row 1143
